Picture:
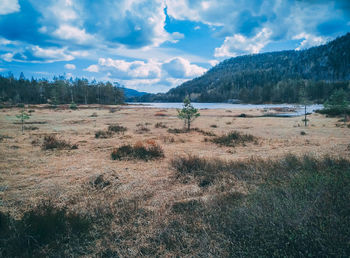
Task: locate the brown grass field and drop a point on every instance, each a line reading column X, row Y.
column 148, row 190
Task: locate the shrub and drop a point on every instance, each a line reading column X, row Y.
column 160, row 125
column 176, row 130
column 234, row 138
column 160, row 114
column 138, row 151
column 73, row 106
column 43, row 231
column 141, row 128
column 103, row 134
column 214, row 126
column 51, row 142
column 117, row 128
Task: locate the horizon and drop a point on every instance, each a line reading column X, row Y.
column 159, row 44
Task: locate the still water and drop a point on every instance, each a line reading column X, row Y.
column 299, row 110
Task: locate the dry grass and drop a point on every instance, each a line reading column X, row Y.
column 135, row 213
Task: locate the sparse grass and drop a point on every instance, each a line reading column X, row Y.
column 234, row 138
column 51, row 142
column 183, row 130
column 139, row 151
column 117, row 128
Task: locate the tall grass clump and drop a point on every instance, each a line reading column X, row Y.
column 139, row 152
column 117, row 128
column 44, row 231
column 234, row 138
column 51, row 142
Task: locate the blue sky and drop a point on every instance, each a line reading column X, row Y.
column 155, row 45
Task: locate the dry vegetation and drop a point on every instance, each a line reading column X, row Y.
column 269, row 191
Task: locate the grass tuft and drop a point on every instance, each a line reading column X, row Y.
column 138, row 151
column 51, row 142
column 233, row 139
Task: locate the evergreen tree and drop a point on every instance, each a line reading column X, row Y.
column 188, row 113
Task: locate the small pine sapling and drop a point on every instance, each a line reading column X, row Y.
column 188, row 113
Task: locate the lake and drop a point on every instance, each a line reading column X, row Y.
column 299, row 110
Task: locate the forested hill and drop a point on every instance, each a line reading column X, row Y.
column 286, row 76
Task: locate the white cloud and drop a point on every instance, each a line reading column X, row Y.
column 134, row 69
column 9, row 6
column 197, row 28
column 239, row 44
column 70, row 66
column 72, row 33
column 176, row 36
column 52, row 54
column 4, row 41
column 92, row 69
column 8, row 57
column 309, row 40
column 36, row 54
column 179, row 67
column 150, row 75
column 213, row 62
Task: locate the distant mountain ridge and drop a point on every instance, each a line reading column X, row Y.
column 284, row 76
column 128, row 93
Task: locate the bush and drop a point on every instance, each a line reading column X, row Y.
column 142, row 128
column 73, row 106
column 176, row 130
column 117, row 128
column 51, row 142
column 160, row 125
column 43, row 231
column 103, row 134
column 234, row 139
column 138, row 151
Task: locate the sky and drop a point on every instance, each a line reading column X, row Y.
column 155, row 45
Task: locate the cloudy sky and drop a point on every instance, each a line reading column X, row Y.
column 154, row 45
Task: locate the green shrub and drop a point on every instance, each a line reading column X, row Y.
column 73, row 106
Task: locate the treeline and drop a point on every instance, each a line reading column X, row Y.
column 285, row 91
column 285, row 76
column 58, row 91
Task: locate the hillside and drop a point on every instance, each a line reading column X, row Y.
column 284, row 76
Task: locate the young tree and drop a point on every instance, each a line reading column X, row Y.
column 23, row 116
column 338, row 103
column 304, row 101
column 188, row 113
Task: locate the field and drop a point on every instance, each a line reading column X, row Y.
column 142, row 208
